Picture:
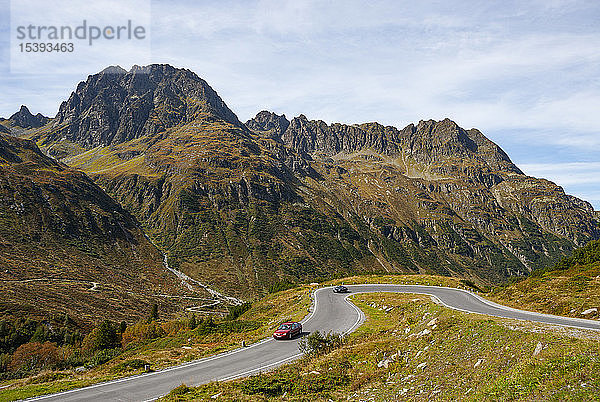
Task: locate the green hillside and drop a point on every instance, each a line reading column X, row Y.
column 571, row 287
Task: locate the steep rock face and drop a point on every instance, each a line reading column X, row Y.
column 463, row 173
column 60, row 233
column 428, row 142
column 309, row 136
column 441, row 141
column 116, row 106
column 547, row 204
column 443, row 151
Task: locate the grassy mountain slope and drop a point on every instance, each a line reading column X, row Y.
column 571, row 287
column 223, row 209
column 67, row 247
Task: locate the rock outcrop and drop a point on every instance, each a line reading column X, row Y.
column 269, row 124
column 428, row 142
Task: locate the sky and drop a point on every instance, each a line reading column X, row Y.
column 526, row 73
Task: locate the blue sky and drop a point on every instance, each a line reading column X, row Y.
column 526, row 73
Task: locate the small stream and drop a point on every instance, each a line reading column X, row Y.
column 187, row 281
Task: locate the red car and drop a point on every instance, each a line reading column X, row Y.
column 288, row 330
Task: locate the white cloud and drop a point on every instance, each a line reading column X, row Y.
column 392, row 62
column 566, row 173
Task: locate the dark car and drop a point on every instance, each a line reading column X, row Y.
column 340, row 289
column 288, row 330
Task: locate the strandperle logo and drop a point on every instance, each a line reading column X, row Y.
column 78, row 35
column 84, row 32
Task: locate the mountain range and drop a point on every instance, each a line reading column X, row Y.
column 245, row 207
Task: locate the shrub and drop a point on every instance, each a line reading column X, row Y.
column 127, row 365
column 236, row 311
column 206, row 326
column 330, row 377
column 318, row 343
column 102, row 356
column 142, row 332
column 74, row 359
column 40, row 335
column 49, row 376
column 327, row 381
column 173, row 327
column 269, row 385
column 588, row 254
column 154, row 312
column 102, row 337
column 192, row 324
column 34, row 356
column 281, row 286
column 4, row 360
column 470, row 284
column 180, row 390
column 20, row 331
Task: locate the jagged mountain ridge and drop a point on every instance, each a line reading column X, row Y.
column 23, row 118
column 244, row 206
column 427, row 142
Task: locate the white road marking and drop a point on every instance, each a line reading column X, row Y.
column 360, row 317
column 246, row 373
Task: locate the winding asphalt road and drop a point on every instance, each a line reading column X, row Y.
column 331, row 312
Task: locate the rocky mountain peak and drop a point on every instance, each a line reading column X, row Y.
column 25, row 119
column 268, row 124
column 114, row 70
column 433, row 141
column 444, row 133
column 116, row 105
